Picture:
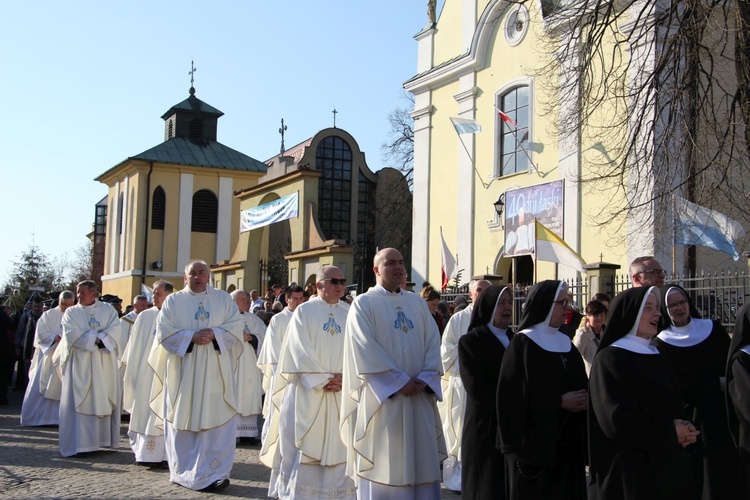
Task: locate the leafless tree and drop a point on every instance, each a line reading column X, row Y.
column 662, row 102
column 398, row 151
column 82, row 266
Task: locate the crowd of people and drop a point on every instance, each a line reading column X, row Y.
column 389, row 395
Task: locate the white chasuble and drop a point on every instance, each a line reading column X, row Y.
column 274, row 387
column 391, row 439
column 313, row 456
column 95, row 379
column 269, row 353
column 145, row 429
column 453, row 405
column 454, row 395
column 127, row 322
column 139, row 377
column 194, row 389
column 41, row 403
column 89, row 401
column 48, row 329
column 199, row 386
column 249, row 379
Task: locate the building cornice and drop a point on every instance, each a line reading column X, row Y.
column 275, row 183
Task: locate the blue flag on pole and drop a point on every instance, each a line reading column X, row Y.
column 701, row 226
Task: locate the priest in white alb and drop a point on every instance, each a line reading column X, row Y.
column 313, row 456
column 199, row 332
column 274, row 386
column 89, row 400
column 145, row 429
column 41, row 403
column 453, row 405
column 391, row 384
column 248, row 375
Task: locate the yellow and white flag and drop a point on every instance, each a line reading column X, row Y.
column 551, row 248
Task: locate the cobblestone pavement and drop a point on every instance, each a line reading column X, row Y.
column 31, row 467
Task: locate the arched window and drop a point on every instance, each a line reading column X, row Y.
column 205, row 211
column 333, row 158
column 158, row 208
column 513, row 131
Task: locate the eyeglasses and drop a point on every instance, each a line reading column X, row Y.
column 335, row 281
column 563, row 303
column 677, row 304
column 655, row 272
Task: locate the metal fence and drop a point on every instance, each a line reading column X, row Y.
column 716, row 295
column 452, row 292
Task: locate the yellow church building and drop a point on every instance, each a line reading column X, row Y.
column 255, row 223
column 481, row 65
column 174, row 202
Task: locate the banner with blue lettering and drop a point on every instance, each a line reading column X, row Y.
column 544, row 203
column 275, row 211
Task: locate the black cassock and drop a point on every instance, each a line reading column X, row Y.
column 698, row 369
column 544, row 444
column 480, row 354
column 633, row 448
column 738, row 394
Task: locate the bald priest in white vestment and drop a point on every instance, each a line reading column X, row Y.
column 145, row 429
column 41, row 403
column 89, row 400
column 273, row 385
column 248, row 375
column 313, row 457
column 391, row 385
column 453, row 405
column 199, row 331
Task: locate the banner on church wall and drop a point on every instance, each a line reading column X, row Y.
column 544, row 203
column 275, row 211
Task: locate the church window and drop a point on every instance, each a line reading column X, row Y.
column 158, row 208
column 196, row 129
column 333, row 158
column 205, row 211
column 119, row 214
column 513, row 131
column 170, row 129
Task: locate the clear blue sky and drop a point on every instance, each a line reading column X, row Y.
column 84, row 84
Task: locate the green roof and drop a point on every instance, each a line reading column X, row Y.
column 209, row 154
column 192, row 103
column 183, row 151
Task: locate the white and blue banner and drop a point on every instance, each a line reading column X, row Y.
column 465, row 125
column 701, row 226
column 275, row 211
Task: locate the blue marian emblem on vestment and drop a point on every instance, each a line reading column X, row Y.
column 331, row 326
column 201, row 314
column 402, row 322
column 93, row 323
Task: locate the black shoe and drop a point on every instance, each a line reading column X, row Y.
column 217, row 485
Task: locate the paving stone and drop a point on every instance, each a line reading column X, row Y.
column 31, row 467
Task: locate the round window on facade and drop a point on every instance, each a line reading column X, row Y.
column 516, row 24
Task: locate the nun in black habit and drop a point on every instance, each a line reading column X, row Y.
column 636, row 430
column 480, row 353
column 697, row 350
column 738, row 394
column 542, row 399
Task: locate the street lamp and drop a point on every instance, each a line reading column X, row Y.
column 499, row 204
